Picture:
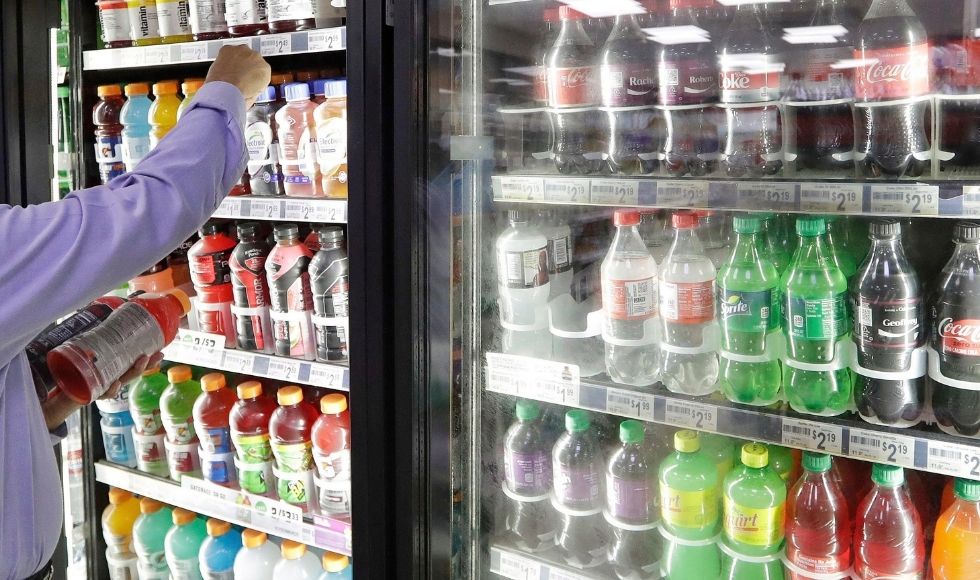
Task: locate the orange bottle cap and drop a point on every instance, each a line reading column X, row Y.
column 333, row 404
column 191, row 86
column 117, row 496
column 249, row 390
column 180, row 295
column 148, row 505
column 183, row 517
column 334, row 562
column 152, row 371
column 217, row 527
column 212, row 382
column 179, row 374
column 289, row 395
column 165, row 88
column 253, row 538
column 137, row 89
column 109, row 90
column 292, row 550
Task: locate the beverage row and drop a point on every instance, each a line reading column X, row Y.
column 147, row 22
column 150, row 540
column 174, row 425
column 295, row 133
column 710, row 508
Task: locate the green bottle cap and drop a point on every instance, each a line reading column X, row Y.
column 816, row 462
column 747, row 224
column 527, row 410
column 811, row 226
column 967, row 489
column 631, row 431
column 755, row 455
column 687, row 441
column 576, row 420
column 887, row 475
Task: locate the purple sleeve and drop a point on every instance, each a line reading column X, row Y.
column 58, row 256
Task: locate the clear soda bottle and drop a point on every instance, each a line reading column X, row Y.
column 523, row 285
column 527, row 479
column 818, row 523
column 956, row 551
column 888, row 538
column 560, row 250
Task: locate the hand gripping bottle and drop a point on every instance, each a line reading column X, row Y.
column 249, row 424
column 818, row 523
column 631, row 506
column 629, row 300
column 176, row 413
column 148, row 432
column 523, row 287
column 262, row 142
column 136, row 126
column 754, row 506
column 814, row 322
column 956, row 551
column 149, row 531
column 217, row 556
column 163, row 111
column 257, row 558
column 297, row 563
column 577, row 473
column 560, row 250
column 253, row 328
column 183, row 545
column 108, row 132
column 292, row 446
column 336, row 567
column 331, row 454
column 689, row 363
column 748, row 313
column 211, row 424
column 888, row 538
column 297, row 142
column 329, row 274
column 527, row 481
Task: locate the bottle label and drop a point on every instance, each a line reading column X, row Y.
column 522, row 270
column 888, row 324
column 117, row 449
column 150, row 561
column 754, row 526
column 331, row 144
column 216, row 440
column 83, row 320
column 750, row 86
column 216, row 469
column 243, row 12
column 823, row 82
column 687, row 302
column 134, row 149
column 576, row 485
column 108, row 148
column 213, row 575
column 834, row 564
column 628, row 85
column 865, row 570
column 256, row 450
column 290, row 10
column 559, row 255
column 179, row 432
column 185, row 569
column 540, row 87
column 294, row 458
column 744, row 311
column 689, row 509
column 289, row 282
column 208, row 16
column 173, row 17
column 333, row 466
column 247, row 267
column 210, row 269
column 143, row 21
column 147, row 423
column 258, row 141
column 816, row 319
column 961, row 337
column 115, row 22
column 631, row 500
column 149, row 452
column 630, row 299
column 892, row 73
column 572, row 86
column 688, row 82
column 527, row 473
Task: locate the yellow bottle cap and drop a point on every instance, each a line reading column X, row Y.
column 687, row 441
column 755, row 455
column 333, row 404
column 179, row 374
column 249, row 390
column 289, row 395
column 212, row 382
column 165, row 88
column 292, row 550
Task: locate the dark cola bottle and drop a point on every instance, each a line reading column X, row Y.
column 527, row 480
column 959, row 104
column 891, row 88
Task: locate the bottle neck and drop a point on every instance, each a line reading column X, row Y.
column 572, row 32
column 888, row 247
column 686, row 242
column 746, row 247
column 812, row 250
column 290, row 241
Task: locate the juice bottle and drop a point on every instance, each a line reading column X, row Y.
column 818, row 524
column 297, row 142
column 118, row 519
column 250, row 289
column 144, row 27
column 262, row 141
column 177, row 405
column 249, row 423
column 149, row 531
column 290, row 294
column 172, row 16
column 297, row 563
column 291, row 15
column 257, row 558
column 888, row 538
column 209, row 258
column 329, row 275
column 331, row 454
column 189, row 87
column 527, row 479
column 211, row 424
column 292, row 446
column 136, row 127
column 219, row 550
column 182, row 545
column 336, row 567
column 949, row 494
column 214, row 311
column 246, row 17
column 330, row 118
column 207, row 18
column 114, row 22
column 854, row 479
column 108, row 132
column 956, row 551
column 163, row 112
column 631, row 499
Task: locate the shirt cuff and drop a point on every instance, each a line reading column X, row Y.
column 58, row 433
column 222, row 97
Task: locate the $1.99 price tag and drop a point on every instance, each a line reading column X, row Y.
column 628, row 404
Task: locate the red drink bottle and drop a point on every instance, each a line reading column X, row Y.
column 818, row 524
column 211, row 410
column 888, row 538
column 249, row 423
column 331, row 453
column 209, row 257
column 292, row 446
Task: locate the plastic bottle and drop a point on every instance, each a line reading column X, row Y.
column 297, row 563
column 149, row 531
column 292, row 446
column 246, row 17
column 257, row 558
column 117, row 521
column 818, row 524
column 114, row 23
column 183, row 545
column 336, row 567
column 297, row 142
column 578, row 478
column 250, row 289
column 209, row 258
column 163, row 111
column 748, row 304
column 888, row 539
column 290, row 293
column 177, row 405
column 629, row 299
column 815, row 319
column 836, row 239
column 291, row 15
column 769, row 244
column 108, row 132
column 262, row 142
column 523, row 287
column 754, row 505
column 331, row 454
column 560, row 252
column 722, row 450
column 329, row 274
column 144, row 27
column 148, row 432
column 207, row 19
column 189, row 88
column 330, row 118
column 956, row 551
column 249, row 424
column 687, row 306
column 136, row 127
column 217, row 556
column 117, row 430
column 781, row 461
column 211, row 424
column 173, row 17
column 528, row 480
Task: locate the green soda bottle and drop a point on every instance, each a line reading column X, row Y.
column 754, row 503
column 690, row 507
column 837, row 244
column 149, row 531
column 747, row 298
column 778, row 253
column 815, row 319
column 721, row 451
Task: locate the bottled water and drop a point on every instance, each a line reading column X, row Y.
column 559, row 237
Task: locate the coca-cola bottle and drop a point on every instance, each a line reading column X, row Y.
column 628, row 82
column 959, row 103
column 955, row 334
column 687, row 75
column 573, row 85
column 891, row 122
column 750, row 78
column 549, row 32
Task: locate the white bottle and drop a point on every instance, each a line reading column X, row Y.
column 687, row 306
column 559, row 237
column 523, row 286
column 257, row 558
column 297, row 563
column 712, row 231
column 629, row 300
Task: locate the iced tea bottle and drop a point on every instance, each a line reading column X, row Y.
column 249, row 423
column 292, row 446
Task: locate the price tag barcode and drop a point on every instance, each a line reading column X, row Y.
column 328, row 376
column 563, row 390
column 283, row 369
column 566, row 190
column 629, row 404
column 275, row 44
column 690, row 414
column 810, row 435
column 958, row 460
column 881, row 447
column 533, row 378
column 615, row 192
column 264, row 209
column 229, row 207
column 831, row 198
column 202, row 347
column 239, row 362
column 193, row 51
column 767, row 196
column 157, row 55
column 298, row 210
column 523, row 188
column 682, row 193
column 329, row 211
column 503, row 382
column 518, row 567
column 905, row 199
column 328, row 39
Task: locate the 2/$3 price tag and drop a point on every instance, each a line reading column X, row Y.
column 812, row 435
column 201, row 347
column 881, row 447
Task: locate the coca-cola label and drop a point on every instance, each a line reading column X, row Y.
column 541, row 84
column 887, row 324
column 628, row 85
column 572, row 86
column 892, row 73
column 688, row 302
column 742, row 86
column 522, row 270
column 960, row 337
column 687, row 82
column 630, row 299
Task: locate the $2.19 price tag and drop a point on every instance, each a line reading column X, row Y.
column 690, row 414
column 767, row 196
column 682, row 193
column 831, row 197
column 615, row 192
column 953, row 459
column 629, row 404
column 522, row 188
column 567, row 190
column 905, row 199
column 812, row 435
column 881, row 447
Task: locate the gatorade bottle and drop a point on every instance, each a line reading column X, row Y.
column 748, row 312
column 189, row 88
column 291, row 297
column 721, row 451
column 956, row 551
column 297, row 142
column 257, row 558
column 183, row 545
column 329, row 282
column 336, row 567
column 163, row 111
column 209, row 258
column 117, row 521
column 117, row 430
column 814, row 321
column 177, row 405
column 207, row 18
column 331, row 454
column 262, row 142
column 246, row 17
column 247, row 265
column 172, row 16
column 108, row 132
column 211, row 424
column 631, row 499
column 297, row 563
column 218, row 551
column 330, row 118
column 818, row 524
column 769, row 245
column 690, row 504
column 888, row 539
column 754, row 505
column 149, row 531
column 292, row 446
column 249, row 423
column 136, row 127
column 148, row 432
column 528, row 480
column 290, row 16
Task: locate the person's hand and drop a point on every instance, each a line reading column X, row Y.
column 134, row 372
column 243, row 67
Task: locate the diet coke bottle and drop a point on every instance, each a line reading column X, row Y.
column 891, row 86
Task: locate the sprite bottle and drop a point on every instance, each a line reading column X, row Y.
column 769, row 243
column 815, row 319
column 747, row 297
column 837, row 244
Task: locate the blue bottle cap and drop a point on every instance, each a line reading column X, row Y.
column 318, row 86
column 267, row 95
column 336, row 88
column 297, row 92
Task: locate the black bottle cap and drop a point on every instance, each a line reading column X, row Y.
column 248, row 230
column 885, row 229
column 330, row 235
column 209, row 228
column 967, row 232
column 287, row 232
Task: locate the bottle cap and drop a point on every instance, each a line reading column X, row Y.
column 297, row 92
column 334, row 562
column 887, row 475
column 626, row 217
column 182, row 517
column 217, row 527
column 212, row 382
column 687, row 441
column 333, row 404
column 63, row 91
column 266, row 95
column 566, row 12
column 286, row 232
column 281, row 79
column 336, row 88
column 181, row 296
column 631, row 431
column 885, row 229
column 747, row 224
column 108, row 90
column 249, row 390
column 137, row 89
column 292, row 550
column 291, row 395
column 684, row 220
column 967, row 232
column 576, row 421
column 811, row 226
column 153, row 371
column 517, row 216
column 966, row 489
column 148, row 505
column 755, row 455
column 179, row 374
column 527, row 410
column 253, row 538
column 191, row 86
column 247, row 229
column 330, row 235
column 210, row 228
column 319, row 87
column 816, row 462
column 165, row 88
column 117, row 496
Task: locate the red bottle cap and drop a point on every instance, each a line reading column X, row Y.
column 626, row 217
column 684, row 220
column 568, row 13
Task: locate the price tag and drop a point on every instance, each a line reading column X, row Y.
column 971, row 200
column 283, row 369
column 615, row 192
column 193, row 51
column 629, row 404
column 811, row 435
column 518, row 567
column 284, row 513
column 767, row 196
column 238, row 362
column 329, row 211
column 275, row 44
column 328, row 39
column 264, row 209
column 958, row 460
column 157, row 55
column 905, row 199
column 298, row 210
column 523, row 188
column 831, row 198
column 567, row 190
column 202, row 348
column 533, row 378
column 230, row 207
column 882, row 447
column 132, row 57
column 329, row 376
column 674, row 193
column 690, row 414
